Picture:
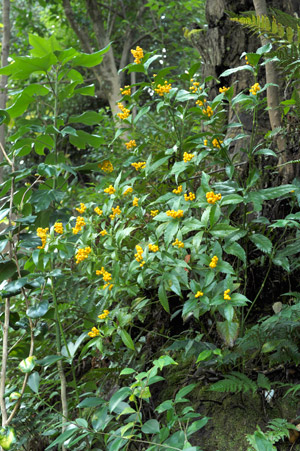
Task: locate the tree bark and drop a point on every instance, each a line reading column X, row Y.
column 273, row 99
column 4, row 78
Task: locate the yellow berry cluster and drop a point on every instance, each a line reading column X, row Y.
column 217, row 143
column 213, row 262
column 190, row 196
column 208, row 111
column 205, row 142
column 138, row 54
column 125, row 112
column 135, row 202
column 188, row 157
column 81, row 209
column 163, row 89
column 98, row 211
column 246, row 58
column 195, row 86
column 212, row 198
column 103, row 232
column 226, row 295
column 153, row 247
column 254, row 89
column 80, row 222
column 127, row 191
column 105, row 275
column 42, row 234
column 178, row 190
column 198, row 294
column 59, row 228
column 106, row 166
column 139, row 165
column 126, row 91
column 224, row 89
column 104, row 314
column 175, row 214
column 94, row 332
column 154, row 213
column 131, row 144
column 110, row 190
column 178, row 243
column 115, row 211
column 139, row 255
column 82, row 254
column 200, row 103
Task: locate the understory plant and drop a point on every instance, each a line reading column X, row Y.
column 167, row 226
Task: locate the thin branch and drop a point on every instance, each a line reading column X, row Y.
column 5, row 155
column 109, row 8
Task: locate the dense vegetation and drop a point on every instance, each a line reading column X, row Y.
column 140, row 245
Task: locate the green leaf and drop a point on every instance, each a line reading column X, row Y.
column 27, row 365
column 86, row 90
column 43, row 46
column 7, row 437
column 228, row 72
column 163, row 298
column 164, row 360
column 195, row 426
column 24, row 66
column 63, row 437
column 7, row 269
column 232, row 199
column 49, row 360
column 4, row 117
column 236, row 250
column 204, row 355
column 262, row 243
column 228, row 312
column 91, row 402
column 127, row 371
column 100, row 418
column 222, row 230
column 87, row 118
column 171, row 231
column 127, row 340
column 117, row 397
column 38, row 310
column 228, row 330
column 123, row 233
column 83, row 139
column 34, row 381
column 151, row 427
column 184, row 391
column 89, row 59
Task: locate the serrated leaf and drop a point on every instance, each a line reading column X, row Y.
column 262, row 243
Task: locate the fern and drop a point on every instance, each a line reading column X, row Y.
column 279, row 429
column 234, row 382
column 275, row 30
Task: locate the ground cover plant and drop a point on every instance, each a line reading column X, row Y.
column 119, row 268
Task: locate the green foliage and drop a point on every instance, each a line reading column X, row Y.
column 105, row 254
column 264, row 441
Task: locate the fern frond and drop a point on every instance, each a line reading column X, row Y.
column 234, row 382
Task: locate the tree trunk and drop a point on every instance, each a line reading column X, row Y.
column 220, row 47
column 3, row 78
